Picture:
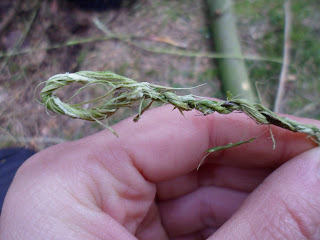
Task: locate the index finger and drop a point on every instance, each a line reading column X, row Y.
column 165, row 144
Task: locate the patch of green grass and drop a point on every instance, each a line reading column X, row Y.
column 249, row 8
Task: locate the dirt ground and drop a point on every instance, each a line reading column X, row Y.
column 36, row 38
column 25, row 122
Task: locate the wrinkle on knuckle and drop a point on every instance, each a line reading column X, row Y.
column 275, row 222
column 288, row 220
column 301, row 213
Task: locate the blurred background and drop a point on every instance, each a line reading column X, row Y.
column 165, row 42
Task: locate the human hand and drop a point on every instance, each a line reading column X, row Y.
column 144, row 184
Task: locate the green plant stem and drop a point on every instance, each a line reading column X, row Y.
column 128, row 39
column 233, row 72
column 124, row 92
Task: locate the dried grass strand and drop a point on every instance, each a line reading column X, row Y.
column 125, row 92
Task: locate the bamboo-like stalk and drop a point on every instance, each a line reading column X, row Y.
column 233, row 72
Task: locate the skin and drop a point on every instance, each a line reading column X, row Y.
column 144, row 184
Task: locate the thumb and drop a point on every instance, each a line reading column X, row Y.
column 285, row 206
